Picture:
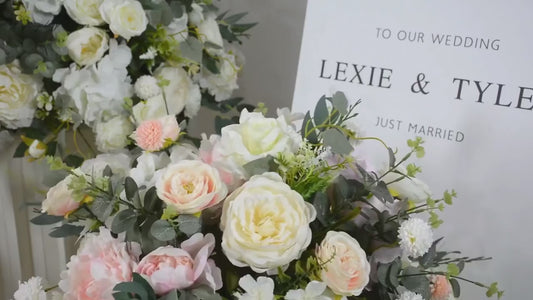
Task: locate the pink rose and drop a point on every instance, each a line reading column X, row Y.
column 213, row 158
column 346, row 270
column 102, row 262
column 168, row 268
column 59, row 201
column 190, row 186
column 154, row 135
column 441, row 289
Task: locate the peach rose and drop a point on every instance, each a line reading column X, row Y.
column 154, row 135
column 441, row 289
column 59, row 201
column 190, row 186
column 346, row 270
column 168, row 268
column 101, row 262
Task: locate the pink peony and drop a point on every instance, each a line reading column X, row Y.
column 441, row 289
column 102, row 262
column 153, row 135
column 168, row 268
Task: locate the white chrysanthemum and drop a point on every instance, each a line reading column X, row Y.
column 408, row 295
column 30, row 290
column 146, row 87
column 262, row 289
column 415, row 236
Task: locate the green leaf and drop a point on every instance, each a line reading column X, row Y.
column 235, row 18
column 381, row 191
column 102, row 208
column 321, row 111
column 45, row 219
column 21, row 150
column 337, row 141
column 73, row 161
column 340, row 102
column 392, row 158
column 321, row 204
column 107, row 171
column 66, row 230
column 308, row 130
column 221, row 123
column 210, row 63
column 162, row 230
column 172, row 295
column 189, row 224
column 123, row 220
column 151, row 201
column 394, row 271
column 416, row 283
column 260, row 166
column 132, row 287
column 453, row 269
column 191, row 48
column 455, row 287
column 131, row 188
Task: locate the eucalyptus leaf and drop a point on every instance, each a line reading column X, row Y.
column 66, row 230
column 321, row 204
column 235, row 18
column 337, row 141
column 340, row 102
column 189, row 224
column 455, row 287
column 260, row 166
column 123, row 220
column 151, row 201
column 172, row 295
column 381, row 191
column 101, row 208
column 321, row 111
column 131, row 188
column 191, row 48
column 132, row 287
column 45, row 219
column 210, row 63
column 416, row 283
column 162, row 230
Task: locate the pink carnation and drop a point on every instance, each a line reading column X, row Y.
column 151, row 135
column 102, row 262
column 168, row 268
column 441, row 289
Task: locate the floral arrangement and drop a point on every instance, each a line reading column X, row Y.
column 104, row 67
column 270, row 208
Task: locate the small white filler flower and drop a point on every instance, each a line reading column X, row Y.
column 415, row 236
column 146, row 87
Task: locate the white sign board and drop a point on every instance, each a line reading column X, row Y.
column 456, row 73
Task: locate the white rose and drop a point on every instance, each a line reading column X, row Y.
column 265, row 224
column 223, row 84
column 190, row 186
column 254, row 137
column 153, row 108
column 409, row 187
column 113, row 134
column 209, row 30
column 180, row 92
column 17, row 96
column 346, row 270
column 125, row 17
column 84, row 12
column 87, row 45
column 59, row 199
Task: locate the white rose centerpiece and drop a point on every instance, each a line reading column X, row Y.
column 265, row 224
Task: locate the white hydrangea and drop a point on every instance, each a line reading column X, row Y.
column 262, row 289
column 415, row 236
column 408, row 295
column 30, row 290
column 146, row 87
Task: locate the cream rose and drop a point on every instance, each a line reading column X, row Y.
column 346, row 270
column 59, row 199
column 125, row 17
column 180, row 92
column 113, row 134
column 84, row 12
column 87, row 45
column 265, row 224
column 190, row 186
column 17, row 96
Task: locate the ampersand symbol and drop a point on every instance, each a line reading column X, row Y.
column 420, row 84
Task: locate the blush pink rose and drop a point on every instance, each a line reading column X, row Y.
column 441, row 289
column 59, row 201
column 101, row 262
column 208, row 155
column 190, row 186
column 168, row 268
column 154, row 135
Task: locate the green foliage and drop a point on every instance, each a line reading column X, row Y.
column 138, row 288
column 231, row 30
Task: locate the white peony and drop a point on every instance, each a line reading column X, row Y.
column 265, row 224
column 262, row 289
column 223, row 84
column 42, row 11
column 180, row 93
column 87, row 45
column 125, row 17
column 146, row 87
column 408, row 295
column 17, row 96
column 30, row 290
column 153, row 108
column 315, row 290
column 84, row 12
column 209, row 31
column 113, row 134
column 254, row 137
column 409, row 188
column 97, row 92
column 415, row 237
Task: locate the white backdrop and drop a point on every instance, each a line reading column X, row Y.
column 409, row 64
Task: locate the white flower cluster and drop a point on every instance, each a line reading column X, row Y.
column 415, row 236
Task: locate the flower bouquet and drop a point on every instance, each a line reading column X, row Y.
column 270, row 208
column 77, row 68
